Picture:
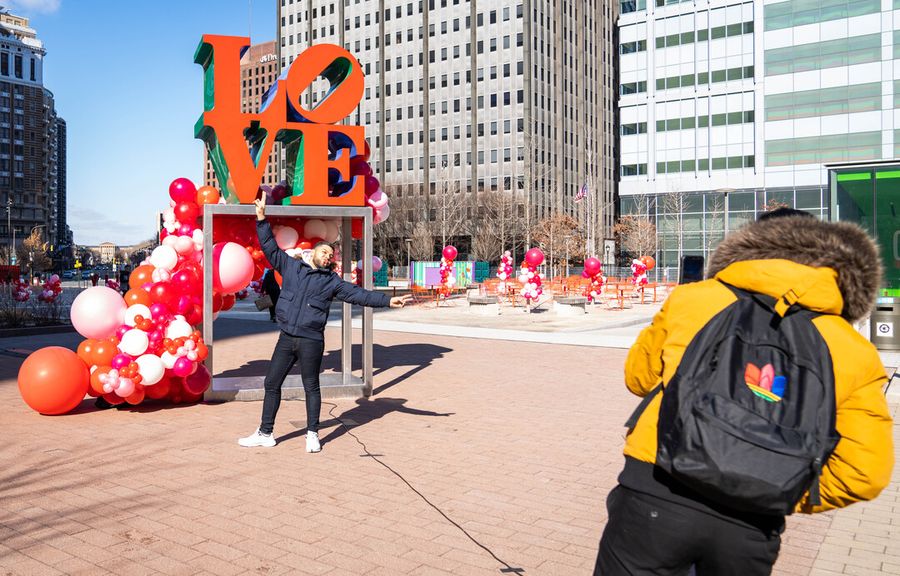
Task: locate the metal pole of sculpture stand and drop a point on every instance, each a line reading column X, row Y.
column 251, row 387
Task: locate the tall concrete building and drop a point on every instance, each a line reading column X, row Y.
column 259, row 70
column 508, row 96
column 741, row 106
column 29, row 137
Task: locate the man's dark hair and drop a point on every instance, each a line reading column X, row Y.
column 783, row 212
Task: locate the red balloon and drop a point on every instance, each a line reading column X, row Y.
column 592, row 266
column 372, row 185
column 258, row 272
column 198, row 382
column 534, row 257
column 159, row 390
column 227, row 302
column 195, row 315
column 187, row 211
column 365, row 153
column 182, row 190
column 53, row 380
column 186, row 281
column 217, row 302
column 356, row 228
column 162, row 234
column 450, row 252
column 305, row 245
column 163, row 293
column 359, row 166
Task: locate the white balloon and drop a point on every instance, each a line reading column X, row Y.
column 315, row 228
column 168, row 360
column 183, row 245
column 136, row 310
column 170, row 239
column 285, row 236
column 197, row 236
column 151, row 369
column 164, row 256
column 134, row 342
column 169, row 216
column 332, row 231
column 178, row 328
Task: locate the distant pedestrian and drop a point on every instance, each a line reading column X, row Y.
column 761, row 399
column 272, row 289
column 94, row 279
column 124, row 275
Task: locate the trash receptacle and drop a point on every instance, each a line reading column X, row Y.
column 885, row 324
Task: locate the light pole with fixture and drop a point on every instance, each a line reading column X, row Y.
column 408, row 263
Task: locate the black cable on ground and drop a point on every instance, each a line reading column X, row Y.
column 507, row 568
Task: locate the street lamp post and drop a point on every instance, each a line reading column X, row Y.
column 31, row 252
column 12, row 232
column 725, row 192
column 408, row 262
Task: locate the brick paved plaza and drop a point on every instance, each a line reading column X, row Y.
column 516, row 442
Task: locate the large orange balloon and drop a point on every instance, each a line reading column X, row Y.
column 141, row 275
column 649, row 262
column 138, row 296
column 207, row 195
column 53, row 380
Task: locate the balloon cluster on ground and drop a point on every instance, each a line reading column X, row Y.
column 639, row 273
column 51, row 289
column 447, row 272
column 593, row 271
column 504, row 271
column 21, row 291
column 531, row 279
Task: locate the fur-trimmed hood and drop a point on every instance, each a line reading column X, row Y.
column 843, row 247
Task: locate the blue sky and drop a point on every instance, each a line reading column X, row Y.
column 123, row 77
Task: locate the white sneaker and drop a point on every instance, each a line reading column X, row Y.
column 258, row 439
column 312, row 442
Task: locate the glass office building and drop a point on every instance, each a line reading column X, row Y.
column 737, row 107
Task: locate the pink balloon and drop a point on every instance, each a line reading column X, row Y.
column 121, row 330
column 126, row 387
column 378, row 199
column 376, row 263
column 120, row 361
column 182, row 367
column 158, row 310
column 199, row 381
column 97, row 312
column 592, row 266
column 534, row 257
column 381, row 214
column 232, row 267
column 182, row 190
column 450, row 252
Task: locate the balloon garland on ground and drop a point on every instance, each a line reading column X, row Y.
column 448, row 275
column 593, row 271
column 639, row 274
column 504, row 271
column 531, row 279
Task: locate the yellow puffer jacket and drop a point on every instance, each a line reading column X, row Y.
column 860, row 466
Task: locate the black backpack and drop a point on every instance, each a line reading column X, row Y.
column 747, row 420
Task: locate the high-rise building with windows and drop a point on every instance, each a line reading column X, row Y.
column 739, row 106
column 259, row 70
column 29, row 138
column 509, row 96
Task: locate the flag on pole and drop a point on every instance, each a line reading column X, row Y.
column 581, row 193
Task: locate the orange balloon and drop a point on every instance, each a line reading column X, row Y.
column 138, row 296
column 53, row 380
column 104, row 352
column 137, row 396
column 141, row 275
column 649, row 262
column 207, row 195
column 113, row 398
column 96, row 385
column 305, row 245
column 86, row 351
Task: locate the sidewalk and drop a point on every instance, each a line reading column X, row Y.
column 517, row 443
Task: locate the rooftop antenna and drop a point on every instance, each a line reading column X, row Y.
column 250, row 20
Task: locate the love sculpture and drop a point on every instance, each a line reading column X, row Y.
column 239, row 143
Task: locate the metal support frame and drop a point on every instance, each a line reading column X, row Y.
column 347, row 384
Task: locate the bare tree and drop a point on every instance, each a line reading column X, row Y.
column 498, row 227
column 33, row 251
column 422, row 245
column 450, row 205
column 715, row 224
column 636, row 235
column 674, row 205
column 562, row 238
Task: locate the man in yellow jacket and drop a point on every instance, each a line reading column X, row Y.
column 658, row 526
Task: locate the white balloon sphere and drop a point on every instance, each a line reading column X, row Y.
column 178, row 328
column 183, row 245
column 164, row 256
column 170, row 239
column 134, row 342
column 285, row 236
column 169, row 216
column 332, row 231
column 97, row 312
column 315, row 228
column 134, row 311
column 151, row 369
column 168, row 360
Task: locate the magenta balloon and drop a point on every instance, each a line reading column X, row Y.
column 534, row 257
column 121, row 330
column 359, row 166
column 158, row 310
column 186, row 229
column 182, row 190
column 184, row 305
column 450, row 252
column 182, row 367
column 120, row 361
column 372, row 185
column 584, row 274
column 592, row 266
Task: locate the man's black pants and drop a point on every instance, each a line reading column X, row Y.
column 288, row 351
column 649, row 535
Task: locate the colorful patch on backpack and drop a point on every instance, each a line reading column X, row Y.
column 764, row 383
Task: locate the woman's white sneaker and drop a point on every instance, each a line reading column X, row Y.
column 259, row 439
column 312, row 442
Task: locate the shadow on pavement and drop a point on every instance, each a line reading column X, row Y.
column 366, row 411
